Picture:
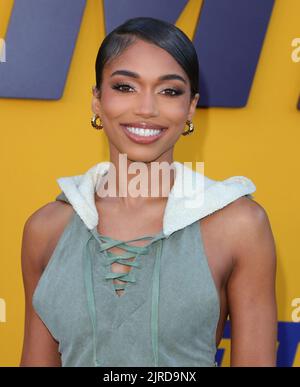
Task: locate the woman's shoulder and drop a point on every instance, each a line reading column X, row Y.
column 241, row 210
column 248, row 224
column 244, row 211
column 242, row 215
column 49, row 218
column 43, row 229
column 239, row 224
column 245, row 204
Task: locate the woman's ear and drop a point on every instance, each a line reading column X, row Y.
column 193, row 106
column 96, row 106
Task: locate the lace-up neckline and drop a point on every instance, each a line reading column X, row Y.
column 106, row 243
column 131, row 252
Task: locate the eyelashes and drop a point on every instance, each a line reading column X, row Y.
column 124, row 88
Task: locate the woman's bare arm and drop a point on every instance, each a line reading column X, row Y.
column 251, row 288
column 40, row 234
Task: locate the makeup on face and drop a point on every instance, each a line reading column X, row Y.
column 145, row 132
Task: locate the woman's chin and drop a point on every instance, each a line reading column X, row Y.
column 142, row 156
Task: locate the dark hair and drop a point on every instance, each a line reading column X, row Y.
column 159, row 32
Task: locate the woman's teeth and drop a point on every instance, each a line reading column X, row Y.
column 143, row 132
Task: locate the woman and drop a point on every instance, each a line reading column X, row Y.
column 127, row 280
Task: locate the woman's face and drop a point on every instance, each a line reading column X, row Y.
column 140, row 99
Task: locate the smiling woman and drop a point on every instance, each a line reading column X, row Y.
column 146, row 88
column 165, row 302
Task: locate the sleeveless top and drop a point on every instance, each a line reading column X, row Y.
column 168, row 314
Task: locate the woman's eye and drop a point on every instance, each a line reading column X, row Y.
column 173, row 92
column 122, row 87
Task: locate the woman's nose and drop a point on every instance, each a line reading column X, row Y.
column 146, row 105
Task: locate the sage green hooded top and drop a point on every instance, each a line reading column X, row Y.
column 169, row 312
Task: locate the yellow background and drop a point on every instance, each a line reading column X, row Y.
column 44, row 140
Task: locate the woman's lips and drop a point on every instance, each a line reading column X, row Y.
column 143, row 139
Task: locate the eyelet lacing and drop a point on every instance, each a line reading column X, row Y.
column 132, row 251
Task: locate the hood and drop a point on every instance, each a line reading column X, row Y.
column 192, row 196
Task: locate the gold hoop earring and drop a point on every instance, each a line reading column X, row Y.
column 190, row 130
column 94, row 122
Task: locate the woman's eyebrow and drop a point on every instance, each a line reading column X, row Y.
column 165, row 77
